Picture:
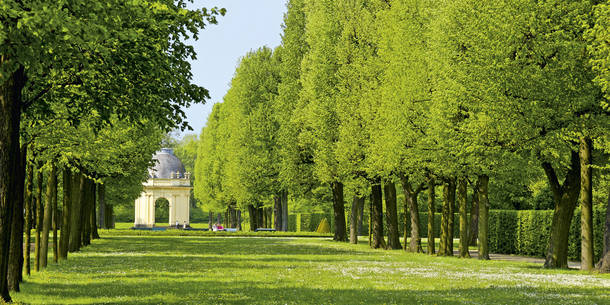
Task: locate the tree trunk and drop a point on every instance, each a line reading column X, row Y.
column 277, row 212
column 566, row 198
column 15, row 264
column 260, row 217
column 483, row 184
column 473, row 233
column 76, row 225
column 604, row 264
column 360, row 215
column 391, row 210
column 101, row 217
column 252, row 213
column 239, row 220
column 39, row 217
column 48, row 216
column 29, row 204
column 55, row 221
column 339, row 212
column 66, row 215
column 284, row 199
column 10, row 120
column 586, row 204
column 431, row 210
column 446, row 244
column 353, row 224
column 412, row 207
column 93, row 219
column 211, row 219
column 371, row 220
column 377, row 216
column 462, row 198
column 86, row 203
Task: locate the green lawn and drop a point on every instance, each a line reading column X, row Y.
column 157, row 269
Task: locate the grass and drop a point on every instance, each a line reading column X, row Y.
column 159, row 269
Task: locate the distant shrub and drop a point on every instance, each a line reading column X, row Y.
column 323, row 227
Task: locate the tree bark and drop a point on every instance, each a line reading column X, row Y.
column 339, row 212
column 252, row 213
column 446, row 244
column 473, row 233
column 371, row 220
column 39, row 217
column 211, row 217
column 412, row 207
column 377, row 216
column 86, row 203
column 284, row 198
column 55, row 221
column 360, row 215
column 47, row 217
column 483, row 184
column 566, row 198
column 76, row 225
column 586, row 204
column 64, row 238
column 431, row 210
column 277, row 212
column 353, row 224
column 604, row 264
column 29, row 203
column 10, row 120
column 15, row 264
column 391, row 210
column 239, row 220
column 462, row 198
column 93, row 219
column 102, row 206
column 451, row 219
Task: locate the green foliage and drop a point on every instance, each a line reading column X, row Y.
column 323, row 227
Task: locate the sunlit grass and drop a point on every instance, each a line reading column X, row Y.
column 153, row 269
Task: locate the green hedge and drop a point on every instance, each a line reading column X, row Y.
column 527, row 232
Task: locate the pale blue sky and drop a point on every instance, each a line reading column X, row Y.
column 248, row 25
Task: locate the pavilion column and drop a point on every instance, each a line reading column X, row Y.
column 172, row 210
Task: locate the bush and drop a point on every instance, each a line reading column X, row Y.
column 323, row 227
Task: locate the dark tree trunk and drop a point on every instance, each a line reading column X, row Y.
column 604, row 264
column 371, row 220
column 586, row 204
column 377, row 216
column 431, row 210
column 48, row 216
column 413, row 208
column 101, row 199
column 218, row 218
column 566, row 198
column 16, row 245
column 39, row 216
column 391, row 210
column 277, row 212
column 339, row 211
column 446, row 244
column 462, row 198
column 10, row 120
column 93, row 214
column 483, row 184
column 66, row 215
column 109, row 216
column 76, row 224
column 211, row 219
column 353, row 223
column 260, row 215
column 55, row 221
column 15, row 265
column 473, row 233
column 86, row 202
column 239, row 220
column 252, row 213
column 360, row 216
column 29, row 206
column 284, row 198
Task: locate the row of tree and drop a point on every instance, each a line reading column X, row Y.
column 362, row 95
column 87, row 89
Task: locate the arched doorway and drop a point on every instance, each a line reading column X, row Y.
column 161, row 211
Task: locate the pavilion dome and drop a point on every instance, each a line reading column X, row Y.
column 167, row 165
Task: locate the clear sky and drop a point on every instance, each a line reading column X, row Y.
column 248, row 25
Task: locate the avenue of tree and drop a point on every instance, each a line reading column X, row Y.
column 362, row 97
column 87, row 91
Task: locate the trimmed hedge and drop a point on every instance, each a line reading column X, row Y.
column 527, row 232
